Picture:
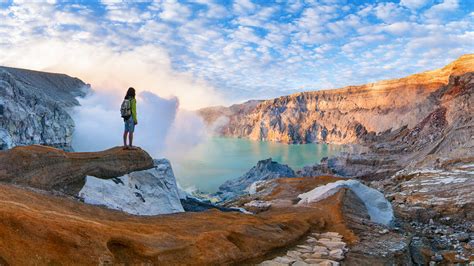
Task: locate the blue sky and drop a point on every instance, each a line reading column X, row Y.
column 239, row 50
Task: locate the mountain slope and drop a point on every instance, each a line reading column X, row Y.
column 34, row 107
column 349, row 115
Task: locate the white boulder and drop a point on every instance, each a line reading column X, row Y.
column 149, row 192
column 379, row 209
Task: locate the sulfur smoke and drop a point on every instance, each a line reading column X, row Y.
column 163, row 128
column 162, row 93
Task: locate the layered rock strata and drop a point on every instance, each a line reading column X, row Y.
column 60, row 230
column 55, row 170
column 34, row 107
column 352, row 114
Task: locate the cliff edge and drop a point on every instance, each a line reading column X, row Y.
column 34, row 107
column 52, row 169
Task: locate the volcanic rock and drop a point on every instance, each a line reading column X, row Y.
column 348, row 115
column 52, row 169
column 264, row 170
column 34, row 107
column 147, row 192
column 59, row 230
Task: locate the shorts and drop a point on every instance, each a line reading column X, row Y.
column 129, row 125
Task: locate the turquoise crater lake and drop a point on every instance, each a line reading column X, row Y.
column 209, row 164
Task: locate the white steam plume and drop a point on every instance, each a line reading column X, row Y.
column 163, row 129
column 162, row 125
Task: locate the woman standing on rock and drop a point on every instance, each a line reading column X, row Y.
column 129, row 115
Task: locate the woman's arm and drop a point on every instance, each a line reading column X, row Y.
column 133, row 105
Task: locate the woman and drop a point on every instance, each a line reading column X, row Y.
column 130, row 120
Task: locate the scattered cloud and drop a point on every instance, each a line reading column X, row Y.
column 414, row 4
column 208, row 52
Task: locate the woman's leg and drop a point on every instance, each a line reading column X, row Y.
column 125, row 133
column 130, row 138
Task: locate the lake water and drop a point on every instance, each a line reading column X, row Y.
column 211, row 163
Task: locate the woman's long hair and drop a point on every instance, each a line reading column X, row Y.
column 130, row 93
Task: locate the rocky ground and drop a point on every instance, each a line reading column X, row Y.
column 40, row 228
column 319, row 248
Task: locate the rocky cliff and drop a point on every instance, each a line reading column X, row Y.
column 52, row 169
column 34, row 107
column 426, row 172
column 348, row 115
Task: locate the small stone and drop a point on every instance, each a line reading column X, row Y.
column 384, row 231
column 305, row 247
column 463, row 237
column 304, row 251
column 470, row 244
column 299, row 263
column 437, row 257
column 317, row 262
column 284, row 259
column 333, row 244
column 272, row 263
column 315, row 255
column 319, row 255
column 323, row 262
column 320, row 249
column 337, row 254
column 325, row 239
column 293, row 254
column 330, row 234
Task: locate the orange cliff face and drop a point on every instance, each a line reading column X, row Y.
column 37, row 228
column 345, row 115
column 53, row 169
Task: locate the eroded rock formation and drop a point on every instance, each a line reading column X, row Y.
column 264, row 170
column 60, row 230
column 52, row 169
column 349, row 115
column 34, row 107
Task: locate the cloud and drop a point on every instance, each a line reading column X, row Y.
column 389, row 12
column 414, row 4
column 147, row 68
column 172, row 10
column 228, row 51
column 438, row 11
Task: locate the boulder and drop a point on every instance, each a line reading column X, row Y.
column 147, row 192
column 264, row 170
column 53, row 169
